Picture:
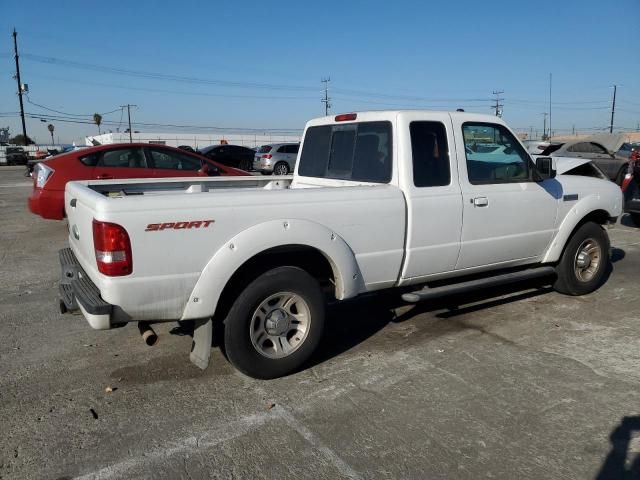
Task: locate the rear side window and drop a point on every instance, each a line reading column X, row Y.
column 90, row 160
column 170, row 160
column 357, row 151
column 291, row 148
column 430, row 154
column 123, row 158
column 282, row 149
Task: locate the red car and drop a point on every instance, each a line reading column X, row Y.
column 130, row 160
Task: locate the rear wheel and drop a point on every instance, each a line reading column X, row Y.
column 636, row 218
column 281, row 168
column 584, row 261
column 275, row 324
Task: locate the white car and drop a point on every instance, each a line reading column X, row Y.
column 378, row 200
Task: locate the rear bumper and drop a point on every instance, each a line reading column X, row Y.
column 78, row 292
column 48, row 204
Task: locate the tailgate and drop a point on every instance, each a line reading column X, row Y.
column 80, row 203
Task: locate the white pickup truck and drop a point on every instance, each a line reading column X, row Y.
column 424, row 202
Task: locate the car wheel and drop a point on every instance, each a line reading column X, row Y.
column 275, row 324
column 636, row 218
column 281, row 168
column 584, row 262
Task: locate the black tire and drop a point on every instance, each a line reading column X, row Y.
column 635, row 217
column 281, row 164
column 238, row 345
column 266, row 173
column 568, row 281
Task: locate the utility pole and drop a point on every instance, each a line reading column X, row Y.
column 326, row 100
column 15, row 49
column 498, row 106
column 544, row 126
column 613, row 108
column 128, row 107
column 550, row 78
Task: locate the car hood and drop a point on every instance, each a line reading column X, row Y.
column 564, row 164
column 610, row 141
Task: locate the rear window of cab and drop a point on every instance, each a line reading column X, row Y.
column 356, row 151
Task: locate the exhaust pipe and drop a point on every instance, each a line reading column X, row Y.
column 148, row 335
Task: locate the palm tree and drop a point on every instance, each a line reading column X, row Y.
column 97, row 119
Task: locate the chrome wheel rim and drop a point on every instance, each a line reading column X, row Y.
column 280, row 325
column 587, row 260
column 281, row 169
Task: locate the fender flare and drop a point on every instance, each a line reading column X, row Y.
column 259, row 238
column 573, row 217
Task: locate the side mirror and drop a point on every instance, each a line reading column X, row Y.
column 545, row 167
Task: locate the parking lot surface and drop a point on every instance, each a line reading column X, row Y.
column 519, row 382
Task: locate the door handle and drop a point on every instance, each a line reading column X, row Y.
column 104, row 176
column 480, row 201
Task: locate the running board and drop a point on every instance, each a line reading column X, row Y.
column 463, row 287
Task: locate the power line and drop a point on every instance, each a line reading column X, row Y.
column 160, row 76
column 65, row 113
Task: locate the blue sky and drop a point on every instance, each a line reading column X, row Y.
column 259, row 64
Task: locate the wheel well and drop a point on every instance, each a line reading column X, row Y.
column 307, row 258
column 600, row 217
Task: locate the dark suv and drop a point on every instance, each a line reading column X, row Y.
column 230, row 155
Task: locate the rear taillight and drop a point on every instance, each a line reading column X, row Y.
column 267, row 156
column 113, row 249
column 42, row 174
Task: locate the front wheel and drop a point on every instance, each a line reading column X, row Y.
column 275, row 324
column 584, row 262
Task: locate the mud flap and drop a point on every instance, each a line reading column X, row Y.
column 201, row 345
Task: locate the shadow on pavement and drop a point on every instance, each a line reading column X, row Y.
column 617, row 254
column 352, row 322
column 621, row 463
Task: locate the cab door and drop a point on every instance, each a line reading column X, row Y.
column 508, row 218
column 433, row 196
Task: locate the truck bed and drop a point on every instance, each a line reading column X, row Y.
column 169, row 262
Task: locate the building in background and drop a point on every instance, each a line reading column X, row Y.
column 196, row 140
